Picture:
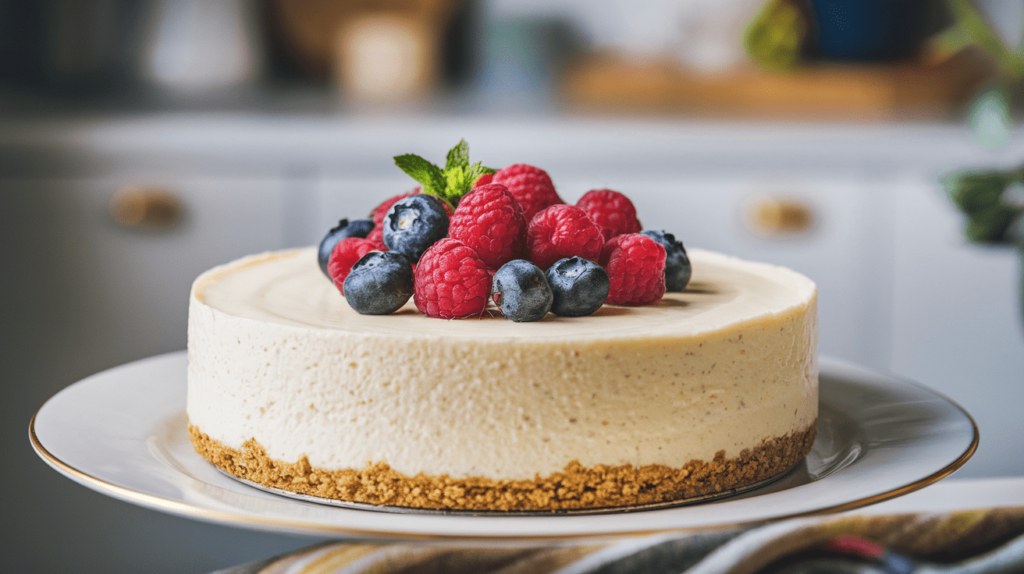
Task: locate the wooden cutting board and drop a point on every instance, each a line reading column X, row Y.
column 608, row 83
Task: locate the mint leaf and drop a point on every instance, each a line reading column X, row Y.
column 459, row 184
column 476, row 170
column 458, row 156
column 449, row 185
column 422, row 171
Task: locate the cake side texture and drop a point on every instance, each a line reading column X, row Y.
column 710, row 389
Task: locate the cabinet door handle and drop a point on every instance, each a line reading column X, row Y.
column 146, row 208
column 778, row 217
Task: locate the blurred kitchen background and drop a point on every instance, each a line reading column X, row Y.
column 871, row 144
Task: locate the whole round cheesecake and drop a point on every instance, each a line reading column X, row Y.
column 709, row 390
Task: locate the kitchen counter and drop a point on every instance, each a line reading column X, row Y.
column 362, row 145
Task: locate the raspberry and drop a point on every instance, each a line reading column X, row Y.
column 451, row 281
column 376, row 234
column 531, row 186
column 562, row 231
column 378, row 213
column 345, row 255
column 484, row 180
column 490, row 221
column 611, row 211
column 636, row 269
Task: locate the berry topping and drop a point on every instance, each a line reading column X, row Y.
column 450, row 184
column 378, row 213
column 345, row 255
column 490, row 221
column 677, row 265
column 612, row 211
column 484, row 180
column 579, row 286
column 413, row 224
column 636, row 269
column 562, row 231
column 377, row 234
column 451, row 281
column 345, row 228
column 379, row 283
column 531, row 186
column 521, row 291
column 467, row 220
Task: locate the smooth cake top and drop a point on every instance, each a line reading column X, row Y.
column 288, row 288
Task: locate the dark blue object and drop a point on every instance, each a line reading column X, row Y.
column 579, row 286
column 344, row 229
column 379, row 283
column 868, row 30
column 521, row 291
column 413, row 224
column 677, row 265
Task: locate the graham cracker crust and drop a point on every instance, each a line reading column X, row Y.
column 576, row 487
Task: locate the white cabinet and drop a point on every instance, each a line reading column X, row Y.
column 957, row 323
column 135, row 280
column 81, row 293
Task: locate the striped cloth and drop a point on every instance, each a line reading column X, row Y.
column 975, row 541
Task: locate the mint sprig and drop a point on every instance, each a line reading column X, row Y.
column 458, row 156
column 423, row 171
column 450, row 184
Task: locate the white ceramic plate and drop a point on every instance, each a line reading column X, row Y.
column 123, row 433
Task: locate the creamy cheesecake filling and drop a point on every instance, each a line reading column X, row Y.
column 277, row 357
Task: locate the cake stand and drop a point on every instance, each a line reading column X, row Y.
column 123, row 433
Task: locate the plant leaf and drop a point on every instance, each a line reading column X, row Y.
column 774, row 37
column 980, row 196
column 458, row 156
column 422, row 171
column 458, row 183
column 476, row 170
column 975, row 27
column 455, row 181
column 976, row 191
column 989, row 226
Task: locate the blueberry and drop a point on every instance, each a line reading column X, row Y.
column 413, row 224
column 579, row 286
column 345, row 228
column 677, row 264
column 379, row 283
column 521, row 291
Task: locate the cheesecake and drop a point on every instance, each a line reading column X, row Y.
column 709, row 390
